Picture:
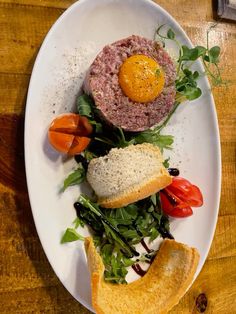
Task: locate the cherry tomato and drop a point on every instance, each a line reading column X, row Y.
column 186, row 191
column 71, row 123
column 68, row 133
column 78, row 145
column 173, row 206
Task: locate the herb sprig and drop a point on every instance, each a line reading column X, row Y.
column 186, row 82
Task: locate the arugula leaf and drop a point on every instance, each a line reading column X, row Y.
column 130, row 233
column 153, row 234
column 155, row 138
column 164, row 228
column 106, row 252
column 76, row 177
column 115, row 232
column 89, row 155
column 97, row 126
column 78, row 222
column 115, row 264
column 71, row 235
column 110, row 230
column 124, row 215
column 154, row 199
column 166, row 163
column 85, row 105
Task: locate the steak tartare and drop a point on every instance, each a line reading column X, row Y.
column 102, row 83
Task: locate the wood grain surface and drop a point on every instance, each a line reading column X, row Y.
column 27, row 281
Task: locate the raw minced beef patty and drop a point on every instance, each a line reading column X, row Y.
column 103, row 85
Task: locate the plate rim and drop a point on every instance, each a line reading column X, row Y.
column 27, row 118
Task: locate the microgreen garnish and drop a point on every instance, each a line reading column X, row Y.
column 186, row 82
column 170, row 34
column 186, row 85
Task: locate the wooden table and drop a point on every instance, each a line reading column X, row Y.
column 27, row 281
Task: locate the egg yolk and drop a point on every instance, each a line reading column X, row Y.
column 141, row 78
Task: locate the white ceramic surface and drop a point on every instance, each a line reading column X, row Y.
column 67, row 51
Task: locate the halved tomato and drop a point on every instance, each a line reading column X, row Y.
column 71, row 123
column 173, row 206
column 186, row 191
column 177, row 198
column 78, row 145
column 68, row 133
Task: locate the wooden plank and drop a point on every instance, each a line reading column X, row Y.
column 12, row 152
column 224, row 242
column 38, row 300
column 202, row 8
column 57, row 4
column 228, row 194
column 51, row 300
column 180, row 9
column 18, row 274
column 227, row 127
column 22, row 32
column 217, row 282
column 13, row 92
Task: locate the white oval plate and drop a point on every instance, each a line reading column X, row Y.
column 69, row 48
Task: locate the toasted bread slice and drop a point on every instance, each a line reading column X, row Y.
column 127, row 175
column 166, row 281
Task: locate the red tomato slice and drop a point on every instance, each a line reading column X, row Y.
column 60, row 141
column 186, row 191
column 173, row 206
column 68, row 133
column 71, row 123
column 181, row 211
column 65, row 123
column 79, row 144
